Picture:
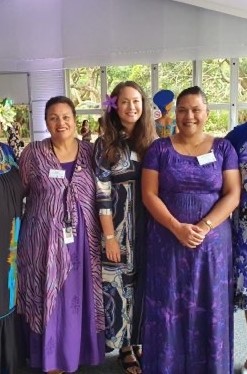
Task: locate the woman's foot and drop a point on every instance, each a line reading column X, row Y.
column 137, row 349
column 244, row 368
column 128, row 361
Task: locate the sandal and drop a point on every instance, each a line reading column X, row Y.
column 137, row 349
column 244, row 368
column 128, row 361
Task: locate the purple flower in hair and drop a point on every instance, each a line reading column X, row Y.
column 110, row 103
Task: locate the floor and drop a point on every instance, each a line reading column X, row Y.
column 111, row 365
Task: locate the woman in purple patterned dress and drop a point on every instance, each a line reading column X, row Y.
column 60, row 292
column 238, row 138
column 191, row 184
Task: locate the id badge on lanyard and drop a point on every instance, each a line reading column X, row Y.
column 68, row 236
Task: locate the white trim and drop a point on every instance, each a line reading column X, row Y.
column 234, row 63
column 238, row 10
column 103, row 79
column 197, row 72
column 154, row 78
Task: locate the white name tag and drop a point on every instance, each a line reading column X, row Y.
column 68, row 235
column 134, row 156
column 207, row 158
column 56, row 173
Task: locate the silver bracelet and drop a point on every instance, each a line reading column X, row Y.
column 109, row 237
column 105, row 212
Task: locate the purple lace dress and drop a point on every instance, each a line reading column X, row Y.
column 188, row 327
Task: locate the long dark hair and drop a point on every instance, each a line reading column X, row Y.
column 114, row 135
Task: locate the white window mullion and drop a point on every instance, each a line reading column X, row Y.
column 154, row 79
column 234, row 92
column 103, row 83
column 197, row 73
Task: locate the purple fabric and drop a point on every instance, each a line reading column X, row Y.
column 70, row 338
column 188, row 325
column 44, row 261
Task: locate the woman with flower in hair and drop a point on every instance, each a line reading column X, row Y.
column 128, row 131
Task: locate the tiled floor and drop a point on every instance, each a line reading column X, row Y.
column 111, row 365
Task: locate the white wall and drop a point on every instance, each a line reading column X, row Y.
column 15, row 85
column 148, row 31
column 43, row 85
column 30, row 31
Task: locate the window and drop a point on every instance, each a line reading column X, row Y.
column 89, row 85
column 242, row 80
column 216, row 80
column 242, row 116
column 93, row 124
column 217, row 123
column 140, row 74
column 85, row 87
column 175, row 76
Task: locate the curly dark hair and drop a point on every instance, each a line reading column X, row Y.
column 114, row 134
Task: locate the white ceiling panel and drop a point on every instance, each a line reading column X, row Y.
column 233, row 7
column 52, row 35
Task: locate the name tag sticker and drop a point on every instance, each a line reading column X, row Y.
column 207, row 158
column 56, row 173
column 68, row 235
column 134, row 156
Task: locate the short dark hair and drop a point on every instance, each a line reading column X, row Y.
column 59, row 100
column 195, row 90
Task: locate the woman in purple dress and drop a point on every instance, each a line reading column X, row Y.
column 191, row 184
column 60, row 292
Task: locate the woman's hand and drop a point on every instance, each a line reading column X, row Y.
column 112, row 250
column 189, row 235
column 203, row 226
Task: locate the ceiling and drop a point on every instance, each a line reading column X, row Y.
column 168, row 30
column 233, row 7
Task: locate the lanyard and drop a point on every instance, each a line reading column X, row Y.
column 67, row 219
column 67, row 213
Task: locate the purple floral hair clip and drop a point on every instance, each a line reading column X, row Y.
column 110, row 103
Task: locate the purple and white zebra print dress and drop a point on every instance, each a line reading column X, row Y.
column 60, row 292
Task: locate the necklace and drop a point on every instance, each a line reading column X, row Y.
column 191, row 152
column 69, row 155
column 191, row 149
